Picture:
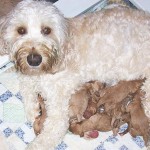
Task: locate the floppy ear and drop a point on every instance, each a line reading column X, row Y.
column 3, row 45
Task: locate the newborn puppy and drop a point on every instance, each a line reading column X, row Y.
column 109, row 96
column 139, row 121
column 78, row 104
column 119, row 91
column 119, row 116
column 80, row 100
column 100, row 122
column 38, row 123
column 95, row 92
column 125, row 118
column 113, row 110
column 118, row 119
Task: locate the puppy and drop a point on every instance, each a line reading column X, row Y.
column 119, row 91
column 100, row 122
column 139, row 121
column 95, row 92
column 124, row 118
column 79, row 104
column 108, row 97
column 119, row 117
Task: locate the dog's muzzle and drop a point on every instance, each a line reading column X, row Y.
column 34, row 59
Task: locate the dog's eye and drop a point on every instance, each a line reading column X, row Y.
column 46, row 30
column 22, row 30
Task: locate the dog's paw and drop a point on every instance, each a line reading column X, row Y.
column 41, row 143
column 32, row 114
column 36, row 146
column 32, row 147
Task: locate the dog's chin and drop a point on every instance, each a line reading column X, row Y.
column 32, row 71
column 37, row 70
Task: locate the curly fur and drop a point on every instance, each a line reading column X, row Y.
column 109, row 46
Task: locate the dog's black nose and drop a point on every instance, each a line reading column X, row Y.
column 34, row 59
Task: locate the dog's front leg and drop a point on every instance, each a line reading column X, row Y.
column 29, row 90
column 56, row 92
column 54, row 129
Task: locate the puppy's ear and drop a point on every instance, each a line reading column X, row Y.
column 3, row 45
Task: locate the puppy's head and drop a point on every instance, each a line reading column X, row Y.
column 76, row 128
column 33, row 35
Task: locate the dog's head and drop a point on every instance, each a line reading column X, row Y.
column 33, row 35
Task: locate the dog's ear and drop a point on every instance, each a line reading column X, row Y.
column 3, row 45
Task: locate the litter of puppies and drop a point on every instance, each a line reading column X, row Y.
column 99, row 107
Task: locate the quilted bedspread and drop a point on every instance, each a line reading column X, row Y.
column 16, row 132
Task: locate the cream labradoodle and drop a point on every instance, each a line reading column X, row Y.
column 55, row 55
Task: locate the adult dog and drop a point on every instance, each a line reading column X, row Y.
column 55, row 55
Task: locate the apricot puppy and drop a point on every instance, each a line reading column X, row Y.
column 100, row 122
column 81, row 98
column 139, row 121
column 119, row 91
